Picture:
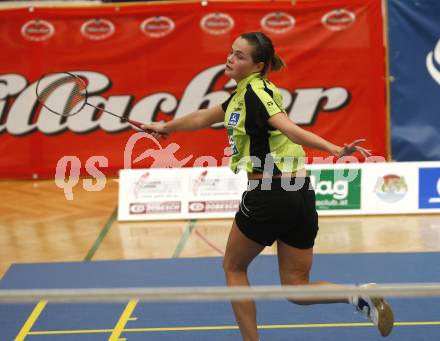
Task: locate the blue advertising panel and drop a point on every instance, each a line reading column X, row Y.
column 414, row 32
column 429, row 188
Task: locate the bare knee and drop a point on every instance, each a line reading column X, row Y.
column 296, row 278
column 231, row 266
column 235, row 274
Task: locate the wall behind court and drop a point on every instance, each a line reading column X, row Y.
column 160, row 61
column 414, row 30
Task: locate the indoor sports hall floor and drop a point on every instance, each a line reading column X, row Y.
column 80, row 244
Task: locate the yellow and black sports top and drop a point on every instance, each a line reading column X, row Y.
column 254, row 143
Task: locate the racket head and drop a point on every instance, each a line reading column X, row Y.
column 62, row 93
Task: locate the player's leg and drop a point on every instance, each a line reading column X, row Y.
column 240, row 251
column 294, row 267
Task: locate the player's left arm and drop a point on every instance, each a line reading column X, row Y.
column 306, row 138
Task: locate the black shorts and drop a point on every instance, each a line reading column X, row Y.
column 270, row 210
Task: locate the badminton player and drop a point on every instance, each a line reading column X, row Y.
column 268, row 146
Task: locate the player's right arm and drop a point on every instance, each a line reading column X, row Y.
column 196, row 120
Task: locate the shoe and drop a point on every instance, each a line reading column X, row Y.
column 377, row 310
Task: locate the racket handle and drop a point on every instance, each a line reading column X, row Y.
column 136, row 123
column 139, row 125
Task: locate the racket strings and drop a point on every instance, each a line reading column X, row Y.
column 76, row 95
column 65, row 94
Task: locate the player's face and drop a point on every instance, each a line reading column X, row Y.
column 239, row 63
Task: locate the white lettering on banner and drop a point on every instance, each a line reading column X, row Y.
column 338, row 189
column 198, row 91
column 155, row 207
column 24, row 118
column 307, row 103
column 146, row 109
column 433, row 59
column 213, row 206
column 10, row 85
column 23, row 109
column 115, row 104
column 435, row 200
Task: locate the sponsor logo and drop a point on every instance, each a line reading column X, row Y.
column 433, row 62
column 22, row 115
column 277, row 22
column 97, row 29
column 156, row 207
column 213, row 206
column 391, row 188
column 336, row 192
column 198, row 182
column 233, row 119
column 37, row 30
column 196, row 206
column 217, row 23
column 339, row 19
column 140, row 184
column 137, row 208
column 429, row 188
column 231, row 141
column 157, row 27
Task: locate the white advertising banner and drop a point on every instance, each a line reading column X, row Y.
column 179, row 193
column 401, row 187
column 341, row 189
column 390, row 188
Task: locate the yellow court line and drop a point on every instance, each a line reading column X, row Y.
column 281, row 326
column 416, row 323
column 275, row 326
column 125, row 317
column 33, row 317
column 69, row 332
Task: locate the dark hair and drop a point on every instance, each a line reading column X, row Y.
column 263, row 51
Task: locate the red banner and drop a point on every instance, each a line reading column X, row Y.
column 161, row 61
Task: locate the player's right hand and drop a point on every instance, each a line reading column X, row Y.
column 156, row 129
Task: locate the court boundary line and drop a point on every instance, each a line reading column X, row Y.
column 32, row 318
column 123, row 319
column 102, row 234
column 213, row 328
column 184, row 239
column 208, row 242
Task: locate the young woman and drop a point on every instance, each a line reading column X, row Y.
column 267, row 145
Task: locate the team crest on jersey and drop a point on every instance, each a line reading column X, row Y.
column 232, row 142
column 233, row 119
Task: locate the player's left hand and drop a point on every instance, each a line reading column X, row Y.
column 350, row 148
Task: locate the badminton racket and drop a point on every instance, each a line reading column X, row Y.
column 66, row 83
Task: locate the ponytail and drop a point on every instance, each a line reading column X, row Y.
column 276, row 63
